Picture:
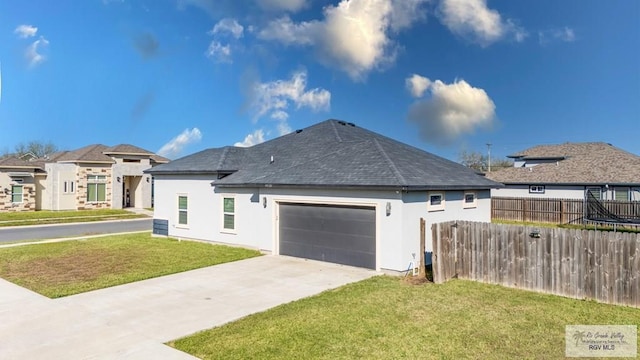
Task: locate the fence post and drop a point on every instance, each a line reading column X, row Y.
column 525, row 214
column 422, row 270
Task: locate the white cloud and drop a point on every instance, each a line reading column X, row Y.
column 282, row 5
column 26, row 31
column 355, row 35
column 34, row 57
column 417, row 85
column 451, row 110
column 284, row 128
column 174, row 147
column 254, row 138
column 565, row 34
column 274, row 98
column 228, row 25
column 289, row 33
column 218, row 52
column 473, row 20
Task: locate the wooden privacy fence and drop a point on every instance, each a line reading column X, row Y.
column 557, row 211
column 604, row 266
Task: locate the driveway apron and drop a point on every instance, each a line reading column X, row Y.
column 133, row 321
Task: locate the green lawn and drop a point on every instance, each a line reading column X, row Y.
column 71, row 267
column 386, row 318
column 57, row 217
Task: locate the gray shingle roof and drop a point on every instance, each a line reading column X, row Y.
column 331, row 153
column 583, row 164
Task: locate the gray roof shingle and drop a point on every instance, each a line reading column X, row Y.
column 578, row 163
column 329, row 154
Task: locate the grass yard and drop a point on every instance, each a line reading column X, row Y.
column 58, row 217
column 71, row 267
column 386, row 318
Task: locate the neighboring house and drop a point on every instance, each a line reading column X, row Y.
column 569, row 170
column 92, row 177
column 332, row 192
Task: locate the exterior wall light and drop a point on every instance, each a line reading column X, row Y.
column 388, row 208
column 118, row 178
column 264, row 202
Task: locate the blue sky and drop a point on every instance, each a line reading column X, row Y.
column 178, row 76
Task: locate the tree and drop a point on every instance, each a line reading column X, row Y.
column 37, row 149
column 479, row 162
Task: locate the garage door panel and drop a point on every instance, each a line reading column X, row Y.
column 339, row 234
column 328, row 240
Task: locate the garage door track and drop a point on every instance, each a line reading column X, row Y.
column 133, row 321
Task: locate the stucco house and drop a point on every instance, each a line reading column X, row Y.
column 569, row 170
column 332, row 192
column 92, row 177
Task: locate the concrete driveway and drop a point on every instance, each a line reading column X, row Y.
column 133, row 321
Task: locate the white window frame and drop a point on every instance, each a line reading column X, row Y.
column 430, row 201
column 536, row 189
column 626, row 189
column 69, row 187
column 599, row 189
column 178, row 210
column 469, row 205
column 96, row 179
column 223, row 213
column 21, row 193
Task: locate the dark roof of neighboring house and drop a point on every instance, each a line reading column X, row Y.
column 578, row 163
column 329, row 154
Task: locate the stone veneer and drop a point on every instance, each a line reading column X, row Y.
column 28, row 200
column 81, row 191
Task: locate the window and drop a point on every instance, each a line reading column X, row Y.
column 536, row 189
column 68, row 187
column 16, row 193
column 594, row 192
column 436, row 202
column 469, row 200
column 621, row 193
column 183, row 209
column 229, row 213
column 96, row 188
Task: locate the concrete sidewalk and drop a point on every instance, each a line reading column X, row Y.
column 133, row 321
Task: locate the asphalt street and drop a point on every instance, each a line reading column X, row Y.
column 38, row 232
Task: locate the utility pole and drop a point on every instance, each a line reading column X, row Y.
column 488, row 157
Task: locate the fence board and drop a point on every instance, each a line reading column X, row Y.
column 604, row 266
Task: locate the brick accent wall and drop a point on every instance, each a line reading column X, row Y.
column 81, row 192
column 28, row 200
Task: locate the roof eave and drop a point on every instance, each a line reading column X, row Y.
column 570, row 183
column 358, row 187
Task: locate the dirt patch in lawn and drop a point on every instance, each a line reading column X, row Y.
column 78, row 265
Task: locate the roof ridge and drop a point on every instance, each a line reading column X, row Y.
column 392, row 165
column 223, row 157
column 335, row 130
